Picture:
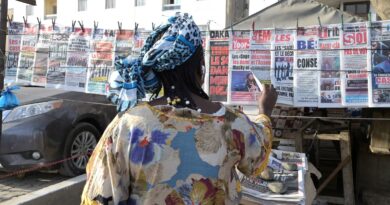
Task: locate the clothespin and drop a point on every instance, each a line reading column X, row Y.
column 319, row 22
column 342, row 22
column 73, row 25
column 39, row 26
column 120, row 27
column 253, row 25
column 53, row 23
column 153, row 26
column 81, row 25
column 95, row 25
column 135, row 27
column 10, row 19
column 25, row 21
column 369, row 20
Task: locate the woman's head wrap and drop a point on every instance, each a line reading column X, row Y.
column 167, row 47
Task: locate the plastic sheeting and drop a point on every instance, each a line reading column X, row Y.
column 286, row 12
column 382, row 8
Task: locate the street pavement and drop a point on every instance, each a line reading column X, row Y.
column 17, row 186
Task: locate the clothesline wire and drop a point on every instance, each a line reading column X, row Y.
column 210, row 50
column 345, row 28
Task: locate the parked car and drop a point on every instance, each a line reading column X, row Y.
column 52, row 125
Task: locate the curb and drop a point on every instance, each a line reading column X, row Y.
column 67, row 192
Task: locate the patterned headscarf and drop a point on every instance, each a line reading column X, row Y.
column 167, row 47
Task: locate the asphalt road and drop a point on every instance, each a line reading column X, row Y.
column 17, row 186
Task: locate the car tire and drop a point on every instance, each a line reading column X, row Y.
column 80, row 142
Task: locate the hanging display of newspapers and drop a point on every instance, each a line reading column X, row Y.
column 77, row 60
column 27, row 54
column 329, row 63
column 379, row 81
column 42, row 56
column 101, row 60
column 219, row 65
column 57, row 57
column 354, row 86
column 306, row 68
column 282, row 67
column 15, row 31
column 243, row 86
column 316, row 66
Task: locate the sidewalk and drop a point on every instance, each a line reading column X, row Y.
column 14, row 187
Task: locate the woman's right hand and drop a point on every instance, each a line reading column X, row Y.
column 267, row 99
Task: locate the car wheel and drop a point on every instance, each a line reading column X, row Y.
column 78, row 148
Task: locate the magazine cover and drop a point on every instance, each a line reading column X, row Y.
column 260, row 46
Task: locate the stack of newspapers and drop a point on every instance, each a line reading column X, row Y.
column 281, row 183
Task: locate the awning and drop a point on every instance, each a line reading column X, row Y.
column 382, row 8
column 31, row 2
column 286, row 12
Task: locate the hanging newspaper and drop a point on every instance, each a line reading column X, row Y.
column 354, row 86
column 283, row 65
column 306, row 68
column 139, row 39
column 101, row 60
column 27, row 54
column 57, row 57
column 15, row 31
column 219, row 63
column 329, row 61
column 42, row 56
column 260, row 46
column 77, row 60
column 243, row 87
column 379, row 81
column 206, row 68
column 124, row 43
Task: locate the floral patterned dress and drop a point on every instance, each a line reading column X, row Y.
column 164, row 155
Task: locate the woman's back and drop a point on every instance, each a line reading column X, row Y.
column 163, row 155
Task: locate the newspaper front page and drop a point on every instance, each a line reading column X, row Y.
column 354, row 67
column 306, row 68
column 14, row 38
column 329, row 62
column 282, row 67
column 219, row 65
column 77, row 60
column 42, row 56
column 379, row 57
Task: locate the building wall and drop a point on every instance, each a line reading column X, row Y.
column 203, row 11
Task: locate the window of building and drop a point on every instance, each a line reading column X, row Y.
column 82, row 6
column 50, row 8
column 110, row 4
column 29, row 10
column 359, row 8
column 171, row 4
column 139, row 2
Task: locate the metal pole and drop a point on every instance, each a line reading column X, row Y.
column 3, row 38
